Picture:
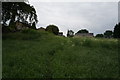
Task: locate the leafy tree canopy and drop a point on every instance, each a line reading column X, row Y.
column 99, row 35
column 18, row 11
column 70, row 33
column 53, row 29
column 116, row 33
column 108, row 34
column 83, row 31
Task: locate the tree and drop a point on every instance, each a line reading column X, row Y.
column 116, row 32
column 70, row 33
column 33, row 26
column 18, row 11
column 108, row 34
column 83, row 31
column 99, row 35
column 53, row 29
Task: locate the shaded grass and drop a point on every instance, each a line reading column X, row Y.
column 38, row 54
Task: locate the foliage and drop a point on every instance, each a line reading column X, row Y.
column 116, row 32
column 18, row 11
column 44, row 55
column 53, row 29
column 83, row 31
column 108, row 34
column 70, row 33
column 99, row 35
column 5, row 29
column 33, row 26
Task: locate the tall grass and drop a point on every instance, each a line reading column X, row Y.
column 38, row 54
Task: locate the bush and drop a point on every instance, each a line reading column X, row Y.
column 5, row 29
column 83, row 31
column 28, row 34
column 53, row 29
column 99, row 35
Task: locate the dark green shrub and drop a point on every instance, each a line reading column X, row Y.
column 5, row 29
column 53, row 29
column 99, row 36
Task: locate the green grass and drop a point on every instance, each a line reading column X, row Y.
column 39, row 54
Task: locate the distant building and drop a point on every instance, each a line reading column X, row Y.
column 21, row 26
column 84, row 35
column 41, row 29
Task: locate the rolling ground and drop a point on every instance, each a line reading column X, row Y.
column 39, row 54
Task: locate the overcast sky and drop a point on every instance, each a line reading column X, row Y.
column 94, row 16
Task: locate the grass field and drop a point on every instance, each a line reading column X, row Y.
column 38, row 54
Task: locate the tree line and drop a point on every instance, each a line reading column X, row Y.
column 25, row 13
column 17, row 12
column 70, row 33
column 111, row 34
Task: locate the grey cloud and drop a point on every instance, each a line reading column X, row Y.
column 94, row 16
